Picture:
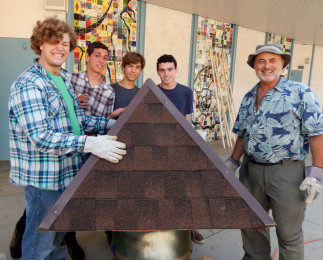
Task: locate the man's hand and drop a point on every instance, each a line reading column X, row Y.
column 232, row 164
column 117, row 112
column 106, row 147
column 313, row 183
column 82, row 98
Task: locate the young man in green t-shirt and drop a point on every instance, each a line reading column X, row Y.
column 47, row 144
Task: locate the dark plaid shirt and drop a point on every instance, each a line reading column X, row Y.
column 101, row 98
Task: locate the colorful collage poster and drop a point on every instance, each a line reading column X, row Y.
column 112, row 22
column 212, row 36
column 286, row 44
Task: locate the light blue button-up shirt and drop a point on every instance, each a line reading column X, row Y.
column 280, row 129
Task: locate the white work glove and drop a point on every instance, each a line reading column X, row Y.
column 313, row 183
column 106, row 147
column 232, row 164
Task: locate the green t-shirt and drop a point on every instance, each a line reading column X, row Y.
column 59, row 82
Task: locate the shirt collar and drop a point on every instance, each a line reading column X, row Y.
column 102, row 86
column 279, row 87
column 281, row 84
column 64, row 73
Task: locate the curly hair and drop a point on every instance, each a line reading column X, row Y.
column 133, row 58
column 51, row 30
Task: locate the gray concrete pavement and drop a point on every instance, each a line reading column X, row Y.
column 220, row 244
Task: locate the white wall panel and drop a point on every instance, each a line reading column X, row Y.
column 19, row 17
column 167, row 32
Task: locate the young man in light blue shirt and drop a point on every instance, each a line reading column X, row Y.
column 47, row 138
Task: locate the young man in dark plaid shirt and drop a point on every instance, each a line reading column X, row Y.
column 96, row 96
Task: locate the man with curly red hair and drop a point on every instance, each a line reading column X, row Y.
column 47, row 138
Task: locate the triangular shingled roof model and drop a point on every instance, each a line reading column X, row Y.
column 170, row 179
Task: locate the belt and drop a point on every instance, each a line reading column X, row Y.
column 265, row 164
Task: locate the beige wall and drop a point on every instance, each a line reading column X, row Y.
column 245, row 77
column 300, row 53
column 18, row 17
column 167, row 32
column 317, row 74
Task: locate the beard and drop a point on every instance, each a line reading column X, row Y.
column 270, row 78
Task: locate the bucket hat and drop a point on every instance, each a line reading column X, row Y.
column 271, row 47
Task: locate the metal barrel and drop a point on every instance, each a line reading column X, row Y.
column 153, row 245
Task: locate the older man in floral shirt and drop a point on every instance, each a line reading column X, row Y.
column 277, row 122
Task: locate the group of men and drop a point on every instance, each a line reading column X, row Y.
column 55, row 118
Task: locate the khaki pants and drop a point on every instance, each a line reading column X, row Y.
column 276, row 187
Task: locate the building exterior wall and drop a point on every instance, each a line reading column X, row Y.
column 245, row 77
column 19, row 17
column 167, row 32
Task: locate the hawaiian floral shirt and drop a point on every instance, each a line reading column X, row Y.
column 280, row 129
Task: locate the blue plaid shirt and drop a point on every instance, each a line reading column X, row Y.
column 44, row 152
column 280, row 129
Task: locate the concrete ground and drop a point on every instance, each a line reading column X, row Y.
column 219, row 244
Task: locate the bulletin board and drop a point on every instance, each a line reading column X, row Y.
column 112, row 22
column 216, row 35
column 286, row 44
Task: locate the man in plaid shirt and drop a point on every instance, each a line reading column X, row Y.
column 97, row 99
column 47, row 137
column 91, row 85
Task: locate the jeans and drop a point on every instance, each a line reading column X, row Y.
column 41, row 245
